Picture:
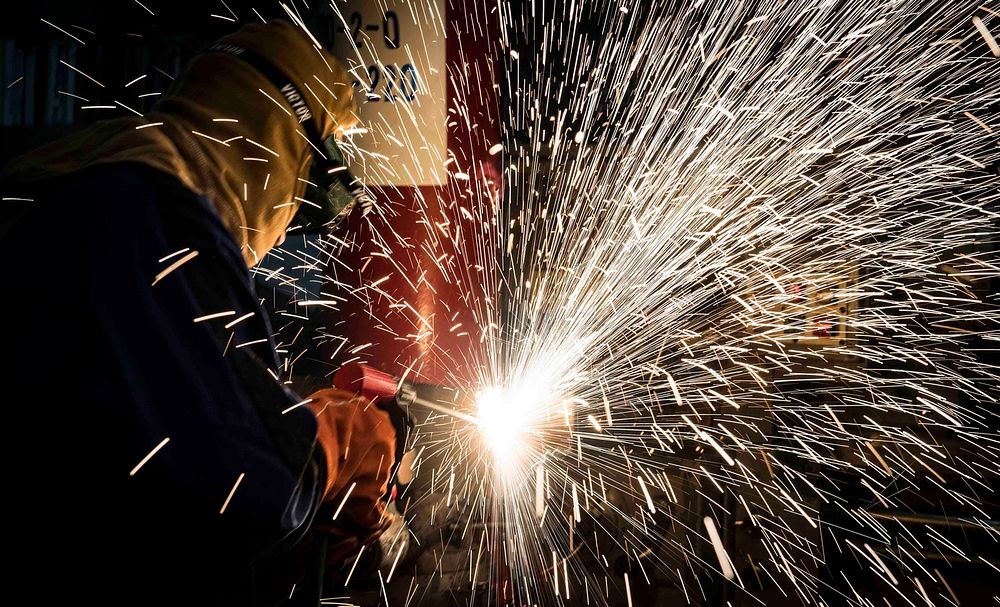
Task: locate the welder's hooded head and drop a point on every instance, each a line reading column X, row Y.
column 227, row 131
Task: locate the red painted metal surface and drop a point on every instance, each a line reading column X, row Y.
column 421, row 320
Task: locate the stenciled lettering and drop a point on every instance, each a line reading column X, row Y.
column 296, row 101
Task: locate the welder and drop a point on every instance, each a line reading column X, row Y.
column 158, row 456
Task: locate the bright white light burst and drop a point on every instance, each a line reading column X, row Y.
column 505, row 418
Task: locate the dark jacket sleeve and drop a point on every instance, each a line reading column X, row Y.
column 114, row 273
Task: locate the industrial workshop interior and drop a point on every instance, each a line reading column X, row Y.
column 501, row 302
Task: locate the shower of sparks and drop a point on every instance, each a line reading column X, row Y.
column 747, row 252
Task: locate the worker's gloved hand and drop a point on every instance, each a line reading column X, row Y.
column 359, row 442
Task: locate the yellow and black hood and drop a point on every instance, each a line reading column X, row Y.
column 227, row 130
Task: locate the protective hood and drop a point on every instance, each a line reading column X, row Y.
column 226, row 131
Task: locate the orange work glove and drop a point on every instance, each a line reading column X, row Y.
column 359, row 442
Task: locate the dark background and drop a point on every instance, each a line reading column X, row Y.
column 119, row 41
